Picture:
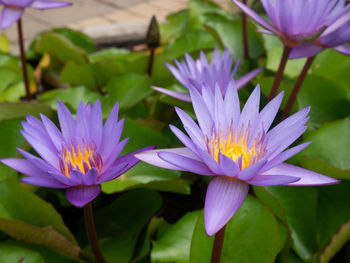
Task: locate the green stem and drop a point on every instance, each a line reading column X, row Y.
column 218, row 243
column 279, row 74
column 23, row 59
column 91, row 233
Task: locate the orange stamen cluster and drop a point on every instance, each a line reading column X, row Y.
column 79, row 158
column 235, row 146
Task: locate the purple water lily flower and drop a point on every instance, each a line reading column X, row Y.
column 237, row 149
column 79, row 157
column 305, row 25
column 14, row 9
column 200, row 73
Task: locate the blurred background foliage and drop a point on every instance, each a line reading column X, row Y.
column 151, row 214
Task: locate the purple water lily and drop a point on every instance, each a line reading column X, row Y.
column 14, row 9
column 237, row 149
column 200, row 73
column 306, row 26
column 80, row 157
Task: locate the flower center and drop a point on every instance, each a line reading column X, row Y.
column 236, row 146
column 82, row 158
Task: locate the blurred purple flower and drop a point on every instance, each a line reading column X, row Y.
column 14, row 9
column 199, row 73
column 306, row 26
column 80, row 157
column 237, row 149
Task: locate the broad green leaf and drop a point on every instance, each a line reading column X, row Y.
column 108, row 54
column 230, row 33
column 4, row 43
column 71, row 96
column 121, row 223
column 60, row 47
column 147, row 176
column 78, row 74
column 190, row 42
column 300, row 207
column 44, row 236
column 79, row 39
column 332, row 101
column 176, row 25
column 330, row 143
column 128, row 89
column 14, row 254
column 17, row 203
column 174, row 244
column 21, row 110
column 252, row 235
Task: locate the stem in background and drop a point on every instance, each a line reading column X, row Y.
column 245, row 33
column 217, row 248
column 91, row 233
column 23, row 59
column 279, row 74
column 297, row 87
column 150, row 63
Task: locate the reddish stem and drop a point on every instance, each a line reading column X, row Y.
column 218, row 243
column 279, row 74
column 297, row 87
column 151, row 61
column 91, row 233
column 245, row 33
column 23, row 59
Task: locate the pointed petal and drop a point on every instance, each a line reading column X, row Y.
column 244, row 80
column 47, row 4
column 54, row 133
column 67, row 122
column 81, row 195
column 224, row 197
column 305, row 50
column 96, row 123
column 175, row 94
column 24, row 166
column 252, row 170
column 307, row 177
column 44, row 182
column 268, row 180
column 183, row 138
column 268, row 114
column 152, row 157
column 10, row 16
column 229, row 166
column 185, row 163
column 343, row 49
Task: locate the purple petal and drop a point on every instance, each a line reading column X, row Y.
column 232, row 105
column 258, row 19
column 185, row 163
column 81, row 195
column 183, row 138
column 343, row 49
column 175, row 94
column 152, row 157
column 224, row 197
column 114, row 154
column 268, row 114
column 24, row 166
column 73, row 179
column 44, row 182
column 244, row 80
column 67, row 122
column 39, row 163
column 252, row 170
column 229, row 166
column 250, row 111
column 96, row 123
column 54, row 133
column 46, row 4
column 10, row 15
column 307, row 177
column 305, row 50
column 268, row 180
column 82, row 129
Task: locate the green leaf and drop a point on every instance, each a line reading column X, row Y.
column 20, row 110
column 300, row 207
column 128, row 89
column 251, row 235
column 44, row 236
column 77, row 38
column 77, row 74
column 14, row 254
column 174, row 244
column 4, row 43
column 147, row 176
column 331, row 143
column 230, row 33
column 59, row 47
column 122, row 221
column 190, row 42
column 108, row 54
column 175, row 26
column 17, row 203
column 331, row 103
column 71, row 96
